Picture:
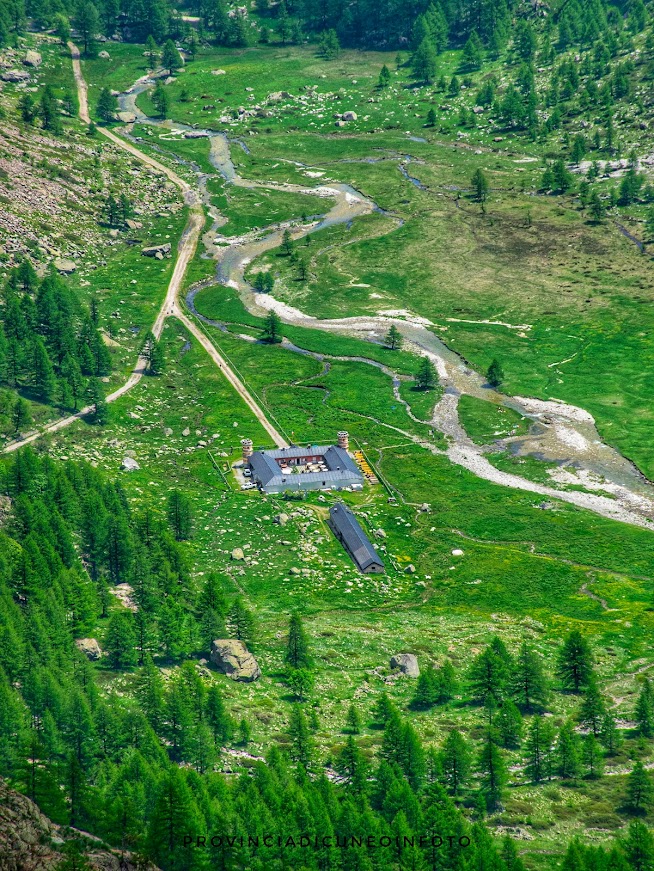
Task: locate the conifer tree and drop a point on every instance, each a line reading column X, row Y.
column 426, row 377
column 301, row 741
column 353, row 721
column 180, row 515
column 593, row 710
column 493, row 773
column 495, row 374
column 644, row 713
column 241, row 621
column 298, row 654
column 121, row 640
column 593, row 757
column 21, row 416
column 508, row 723
column 640, row 790
column 455, row 761
column 424, row 62
column 575, row 663
column 539, row 749
column 272, row 328
column 170, row 57
column 527, row 680
column 220, row 722
column 610, row 734
column 351, row 765
column 393, row 338
column 568, row 753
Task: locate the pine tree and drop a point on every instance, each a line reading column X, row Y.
column 241, row 621
column 121, row 640
column 174, row 815
column 488, row 676
column 151, row 52
column 527, row 680
column 351, row 765
column 221, row 724
column 480, row 186
column 644, row 714
column 610, row 734
column 87, row 23
column 170, row 57
column 107, row 105
column 180, row 515
column 568, row 753
column 353, row 721
column 426, row 377
column 431, row 118
column 301, row 741
column 638, row 848
column 593, row 710
column 495, row 374
column 393, row 338
column 301, row 682
column 424, row 62
column 298, row 654
column 593, row 757
column 640, row 790
column 161, row 100
column 21, row 416
column 539, row 750
column 384, row 78
column 509, row 725
column 272, row 329
column 45, row 382
column 473, row 52
column 455, row 761
column 493, row 773
column 575, row 663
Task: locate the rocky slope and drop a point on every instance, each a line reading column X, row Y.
column 29, row 841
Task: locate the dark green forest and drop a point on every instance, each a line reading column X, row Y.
column 137, row 769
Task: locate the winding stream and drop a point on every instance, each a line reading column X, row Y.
column 559, row 433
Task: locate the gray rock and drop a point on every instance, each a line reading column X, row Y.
column 66, row 267
column 154, row 250
column 32, row 59
column 410, row 569
column 407, row 664
column 15, row 76
column 237, row 554
column 129, row 464
column 89, row 647
column 126, row 117
column 104, row 55
column 186, row 432
column 349, row 116
column 231, row 657
column 282, row 519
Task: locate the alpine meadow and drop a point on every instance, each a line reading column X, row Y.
column 326, row 435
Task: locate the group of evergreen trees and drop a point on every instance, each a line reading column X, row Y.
column 137, row 767
column 50, row 345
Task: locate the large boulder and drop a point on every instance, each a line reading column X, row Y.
column 126, row 117
column 407, row 664
column 66, row 267
column 89, row 647
column 231, row 657
column 349, row 116
column 158, row 251
column 32, row 59
column 129, row 464
column 15, row 76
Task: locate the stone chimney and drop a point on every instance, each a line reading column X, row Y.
column 344, row 440
column 248, row 449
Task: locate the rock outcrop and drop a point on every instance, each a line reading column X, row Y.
column 66, row 267
column 158, row 251
column 89, row 647
column 32, row 59
column 129, row 465
column 15, row 76
column 407, row 664
column 29, row 841
column 231, row 657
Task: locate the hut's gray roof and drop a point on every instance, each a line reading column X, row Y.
column 342, row 470
column 354, row 538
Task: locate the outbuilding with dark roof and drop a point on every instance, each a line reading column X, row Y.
column 348, row 531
